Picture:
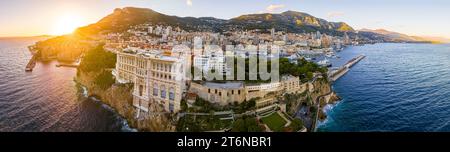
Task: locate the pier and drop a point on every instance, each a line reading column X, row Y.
column 31, row 64
column 334, row 75
column 67, row 65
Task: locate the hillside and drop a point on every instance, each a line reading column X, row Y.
column 433, row 39
column 121, row 19
column 290, row 21
column 391, row 36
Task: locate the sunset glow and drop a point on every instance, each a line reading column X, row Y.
column 49, row 16
column 66, row 24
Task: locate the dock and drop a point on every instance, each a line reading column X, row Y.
column 341, row 71
column 31, row 64
column 67, row 65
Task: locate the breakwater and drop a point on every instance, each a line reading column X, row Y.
column 335, row 74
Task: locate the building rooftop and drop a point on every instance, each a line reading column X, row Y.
column 287, row 77
column 227, row 85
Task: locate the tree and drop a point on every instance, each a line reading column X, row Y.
column 248, row 124
column 104, row 80
column 309, row 75
column 186, row 124
column 297, row 124
column 252, row 125
column 98, row 59
column 184, row 106
column 239, row 126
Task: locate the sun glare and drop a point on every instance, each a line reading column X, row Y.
column 67, row 24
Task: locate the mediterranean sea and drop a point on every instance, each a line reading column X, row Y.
column 47, row 99
column 397, row 87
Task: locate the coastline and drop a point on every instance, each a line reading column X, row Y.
column 119, row 98
column 125, row 123
column 333, row 100
column 326, row 100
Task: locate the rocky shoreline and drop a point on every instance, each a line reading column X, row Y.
column 119, row 97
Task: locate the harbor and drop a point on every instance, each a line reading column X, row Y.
column 335, row 74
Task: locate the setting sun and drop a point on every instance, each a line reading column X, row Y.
column 66, row 24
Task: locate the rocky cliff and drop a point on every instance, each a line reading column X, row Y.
column 120, row 98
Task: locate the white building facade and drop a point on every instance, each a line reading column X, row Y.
column 158, row 78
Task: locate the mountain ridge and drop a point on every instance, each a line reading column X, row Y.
column 293, row 21
column 396, row 36
column 289, row 21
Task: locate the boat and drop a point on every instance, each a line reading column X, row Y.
column 325, row 63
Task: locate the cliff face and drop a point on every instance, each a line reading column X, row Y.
column 320, row 88
column 120, row 98
column 328, row 96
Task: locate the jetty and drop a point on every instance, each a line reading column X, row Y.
column 335, row 74
column 67, row 65
column 31, row 64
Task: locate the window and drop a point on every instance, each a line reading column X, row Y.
column 172, row 94
column 209, row 90
column 232, row 91
column 163, row 92
column 155, row 90
column 220, row 93
column 141, row 89
column 239, row 92
column 171, row 106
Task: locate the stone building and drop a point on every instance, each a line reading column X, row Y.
column 265, row 93
column 220, row 93
column 158, row 77
column 292, row 84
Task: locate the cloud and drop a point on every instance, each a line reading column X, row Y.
column 189, row 2
column 274, row 7
column 335, row 14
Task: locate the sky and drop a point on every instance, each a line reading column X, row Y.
column 412, row 17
